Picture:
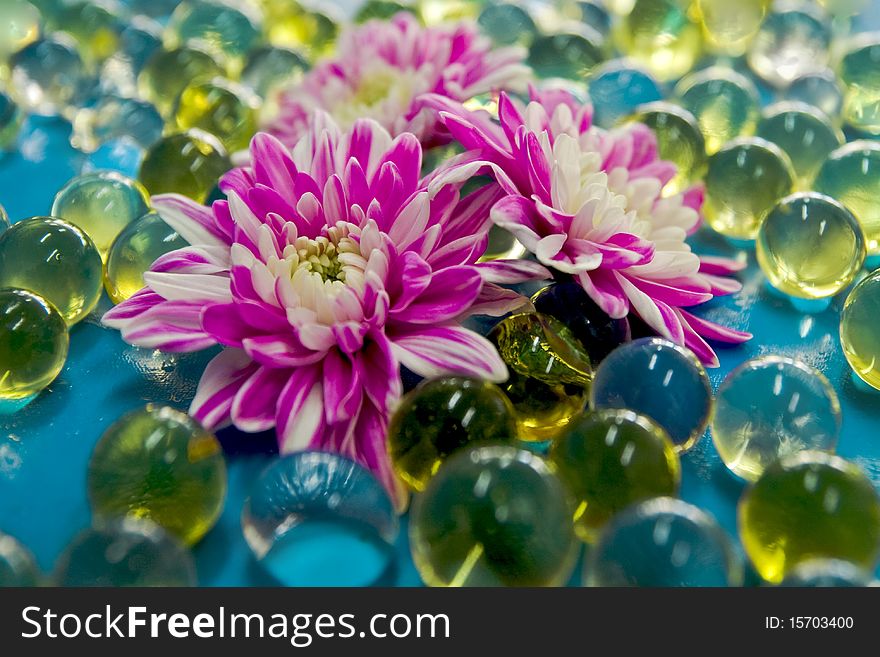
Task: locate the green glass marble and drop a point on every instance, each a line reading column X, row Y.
column 507, row 23
column 188, row 163
column 822, row 90
column 46, row 75
column 33, row 344
column 381, row 9
column 806, row 136
column 828, row 573
column 11, row 119
column 54, row 259
column 610, row 459
column 158, row 463
column 493, row 516
column 136, row 248
column 860, row 75
column 851, row 175
column 570, row 55
column 811, row 247
column 95, row 25
column 550, row 373
column 810, row 506
column 724, row 103
column 271, row 67
column 17, row 565
column 730, row 26
column 440, row 417
column 744, row 180
column 292, row 24
column 660, row 35
column 858, row 330
column 222, row 108
column 502, row 244
column 101, row 204
column 679, row 141
column 19, row 27
column 4, row 220
column 168, row 72
column 125, row 552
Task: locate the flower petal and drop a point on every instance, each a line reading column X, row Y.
column 434, row 351
column 219, row 383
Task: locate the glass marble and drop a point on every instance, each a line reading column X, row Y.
column 494, row 516
column 158, row 463
column 811, row 247
column 153, row 8
column 858, row 330
column 45, row 75
column 434, row 12
column 19, row 27
column 122, row 154
column 381, row 9
column 101, row 204
column 730, row 26
column 502, row 244
column 851, row 175
column 188, row 163
column 594, row 13
column 827, row 573
column 679, row 141
column 821, row 89
column 806, row 136
column 570, row 54
column 549, row 370
column 4, row 220
column 17, row 565
column 744, row 180
column 292, row 24
column 54, row 259
column 33, row 344
column 724, row 103
column 810, row 506
column 113, row 117
column 168, row 72
column 663, row 542
column 610, row 459
column 125, row 552
column 595, row 330
column 95, row 25
column 662, row 36
column 440, row 417
column 860, row 75
column 136, row 248
column 618, row 87
column 673, row 389
column 320, row 519
column 844, row 8
column 770, row 408
column 221, row 108
column 140, row 40
column 793, row 40
column 507, row 23
column 11, row 120
column 271, row 67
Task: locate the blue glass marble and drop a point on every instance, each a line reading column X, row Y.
column 828, row 573
column 46, row 75
column 618, row 87
column 114, row 117
column 17, row 565
column 125, row 552
column 821, row 89
column 663, row 542
column 123, row 155
column 659, row 379
column 270, row 67
column 320, row 519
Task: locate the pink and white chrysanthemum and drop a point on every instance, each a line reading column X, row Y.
column 382, row 69
column 588, row 203
column 324, row 272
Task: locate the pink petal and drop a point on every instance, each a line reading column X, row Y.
column 450, row 292
column 434, row 351
column 342, row 388
column 193, row 222
column 714, row 331
column 253, row 407
column 300, row 412
column 513, row 271
column 219, row 383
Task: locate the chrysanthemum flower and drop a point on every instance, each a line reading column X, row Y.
column 588, row 203
column 382, row 69
column 324, row 272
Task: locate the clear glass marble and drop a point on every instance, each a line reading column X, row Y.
column 46, row 75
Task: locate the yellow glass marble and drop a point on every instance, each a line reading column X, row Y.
column 101, row 204
column 158, row 463
column 806, row 135
column 860, row 75
column 728, row 25
column 134, row 250
column 434, row 12
column 19, row 26
column 33, row 343
column 95, row 25
column 820, row 89
column 291, row 24
column 168, row 72
column 810, row 506
column 810, row 246
column 679, row 141
column 851, row 175
column 54, row 259
column 661, row 35
column 745, row 179
column 858, row 330
column 188, row 163
column 222, row 108
column 724, row 103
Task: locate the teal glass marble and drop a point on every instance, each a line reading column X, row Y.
column 570, row 54
column 188, row 163
column 805, row 135
column 493, row 516
column 271, row 67
column 860, row 75
column 54, row 259
column 770, row 408
column 822, row 90
column 114, row 117
column 17, row 564
column 11, row 119
column 673, row 387
column 507, row 23
column 153, row 8
column 794, row 39
column 46, row 75
column 320, row 519
column 594, row 13
column 168, row 72
column 663, row 542
column 140, row 40
column 618, row 87
column 827, row 573
column 125, row 552
column 724, row 103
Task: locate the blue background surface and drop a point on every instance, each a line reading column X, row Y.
column 44, row 448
